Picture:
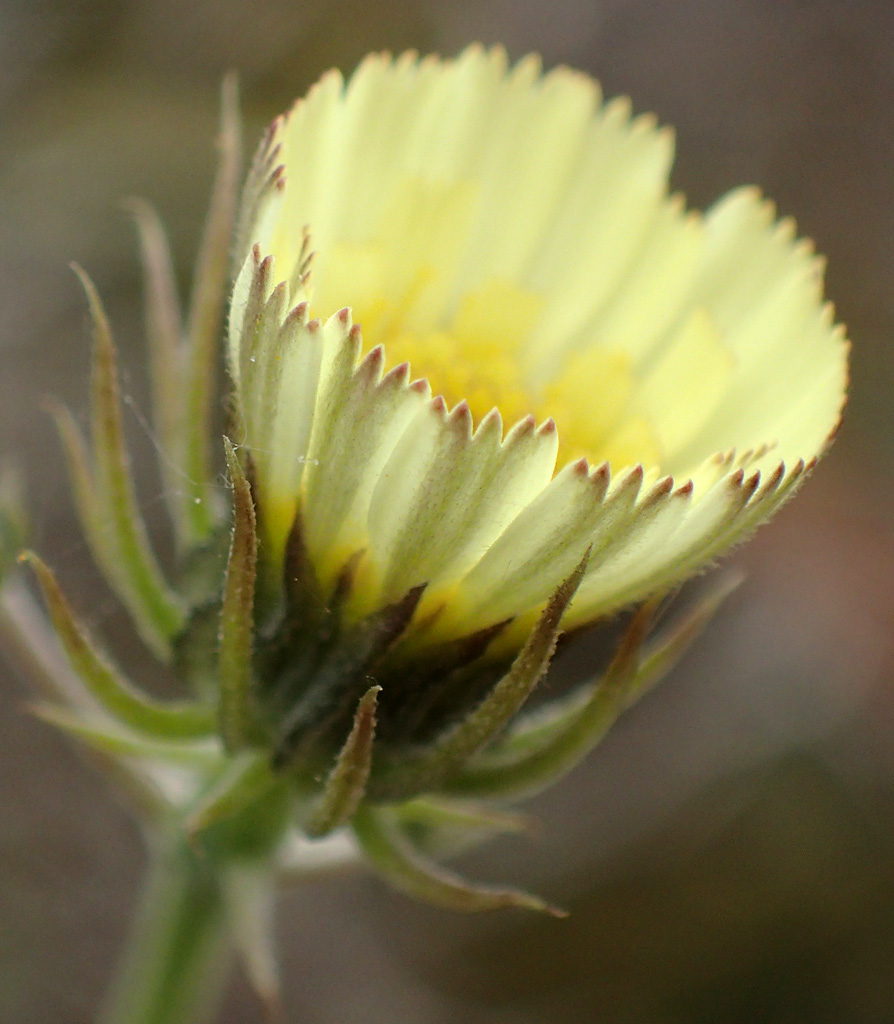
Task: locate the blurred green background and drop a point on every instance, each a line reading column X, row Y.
column 728, row 854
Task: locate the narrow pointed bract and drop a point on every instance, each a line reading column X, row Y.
column 14, row 522
column 408, row 870
column 441, row 827
column 344, row 789
column 205, row 320
column 164, row 337
column 451, row 750
column 116, row 742
column 237, row 714
column 340, row 676
column 88, row 501
column 539, row 752
column 540, row 758
column 135, row 572
column 111, row 691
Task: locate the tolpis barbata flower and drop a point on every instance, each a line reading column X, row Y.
column 488, row 366
column 490, row 380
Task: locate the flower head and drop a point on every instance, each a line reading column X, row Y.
column 550, row 353
column 490, row 380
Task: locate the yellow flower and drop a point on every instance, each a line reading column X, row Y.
column 610, row 371
column 563, row 394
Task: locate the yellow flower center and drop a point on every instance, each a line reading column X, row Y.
column 479, row 356
column 405, row 281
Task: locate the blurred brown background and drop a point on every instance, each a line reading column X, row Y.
column 728, row 854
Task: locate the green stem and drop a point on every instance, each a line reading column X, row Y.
column 176, row 964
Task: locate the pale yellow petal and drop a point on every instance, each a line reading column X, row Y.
column 444, row 497
column 545, row 542
column 360, row 417
column 686, row 384
column 657, row 286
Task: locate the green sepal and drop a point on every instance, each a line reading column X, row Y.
column 113, row 520
column 164, row 340
column 87, row 499
column 434, row 684
column 440, row 827
column 196, row 651
column 305, row 606
column 346, row 784
column 109, row 688
column 29, row 639
column 118, row 742
column 13, row 519
column 331, row 690
column 663, row 654
column 211, row 285
column 541, row 750
column 406, row 868
column 238, row 725
column 200, row 583
column 306, row 620
column 411, row 776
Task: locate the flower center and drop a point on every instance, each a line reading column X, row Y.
column 479, row 356
column 419, row 287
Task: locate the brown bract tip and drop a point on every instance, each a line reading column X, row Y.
column 556, row 912
column 374, row 358
column 629, row 485
column 461, row 417
column 773, row 480
column 662, row 487
column 272, row 156
column 602, row 474
column 833, row 433
column 333, row 74
column 787, row 228
column 398, row 375
column 266, row 267
column 524, row 428
column 370, row 369
column 752, row 483
column 490, row 427
column 490, row 422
